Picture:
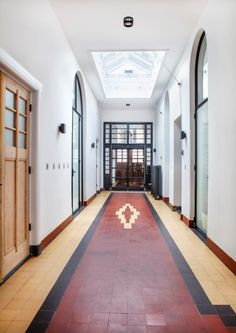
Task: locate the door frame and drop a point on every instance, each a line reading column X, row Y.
column 81, row 140
column 13, row 69
column 127, row 146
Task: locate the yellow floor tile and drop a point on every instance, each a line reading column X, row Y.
column 26, row 315
column 15, row 304
column 17, row 327
column 8, row 314
column 4, row 325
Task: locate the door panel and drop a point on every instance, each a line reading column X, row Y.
column 127, row 169
column 136, row 169
column 14, row 131
column 202, row 168
column 77, row 188
column 75, row 162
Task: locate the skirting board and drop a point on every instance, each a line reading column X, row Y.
column 166, row 200
column 87, row 202
column 171, row 206
column 224, row 257
column 56, row 232
column 189, row 223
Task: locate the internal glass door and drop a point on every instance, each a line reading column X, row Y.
column 136, row 169
column 127, row 156
column 202, row 137
column 77, row 149
column 119, row 169
column 127, row 169
column 202, row 168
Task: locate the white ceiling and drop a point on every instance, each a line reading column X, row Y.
column 97, row 25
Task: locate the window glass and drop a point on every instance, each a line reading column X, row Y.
column 202, row 73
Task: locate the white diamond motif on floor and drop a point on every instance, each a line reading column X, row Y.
column 121, row 216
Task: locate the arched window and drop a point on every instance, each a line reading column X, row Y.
column 77, row 147
column 201, row 115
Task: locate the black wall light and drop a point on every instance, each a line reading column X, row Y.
column 128, row 21
column 183, row 135
column 62, row 128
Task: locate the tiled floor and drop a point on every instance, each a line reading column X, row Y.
column 112, row 287
column 23, row 294
column 216, row 279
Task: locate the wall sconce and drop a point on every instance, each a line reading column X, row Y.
column 62, row 128
column 183, row 135
column 93, row 145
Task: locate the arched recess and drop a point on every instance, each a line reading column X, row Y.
column 77, row 164
column 166, row 148
column 199, row 132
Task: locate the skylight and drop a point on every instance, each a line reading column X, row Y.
column 128, row 74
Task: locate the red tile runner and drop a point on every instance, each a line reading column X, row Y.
column 127, row 281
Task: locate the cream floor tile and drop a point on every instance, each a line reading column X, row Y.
column 4, row 325
column 22, row 295
column 15, row 304
column 8, row 314
column 26, row 315
column 216, row 279
column 17, row 327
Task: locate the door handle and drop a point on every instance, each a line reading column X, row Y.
column 73, row 172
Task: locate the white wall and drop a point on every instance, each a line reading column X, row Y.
column 32, row 35
column 128, row 115
column 222, row 119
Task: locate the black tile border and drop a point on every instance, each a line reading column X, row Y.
column 43, row 317
column 202, row 302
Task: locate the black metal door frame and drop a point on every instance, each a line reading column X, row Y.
column 108, row 146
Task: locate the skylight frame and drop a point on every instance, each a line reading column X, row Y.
column 143, row 91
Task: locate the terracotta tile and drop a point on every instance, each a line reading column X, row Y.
column 153, row 308
column 77, row 328
column 96, row 328
column 99, row 319
column 116, row 318
column 137, row 329
column 136, row 319
column 119, row 306
column 157, row 329
column 155, row 320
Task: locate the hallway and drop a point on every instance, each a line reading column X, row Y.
column 117, row 166
column 122, row 279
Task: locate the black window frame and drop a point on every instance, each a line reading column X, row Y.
column 107, row 181
column 79, row 112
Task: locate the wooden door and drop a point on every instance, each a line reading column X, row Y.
column 14, row 156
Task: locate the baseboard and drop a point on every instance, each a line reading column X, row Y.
column 166, row 200
column 224, row 257
column 189, row 223
column 171, row 206
column 56, row 232
column 87, row 202
column 101, row 189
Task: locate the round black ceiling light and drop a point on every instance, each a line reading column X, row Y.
column 128, row 21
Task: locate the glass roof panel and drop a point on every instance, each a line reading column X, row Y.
column 128, row 74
